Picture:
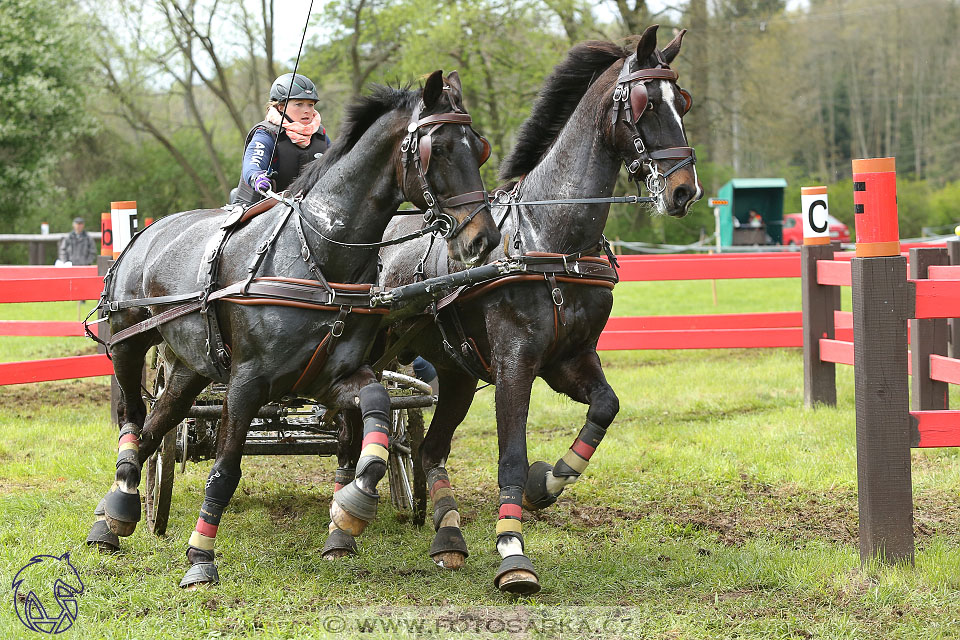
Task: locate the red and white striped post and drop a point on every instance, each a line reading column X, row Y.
column 882, row 304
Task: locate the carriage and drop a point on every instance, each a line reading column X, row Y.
column 292, row 426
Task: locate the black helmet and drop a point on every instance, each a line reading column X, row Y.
column 302, row 89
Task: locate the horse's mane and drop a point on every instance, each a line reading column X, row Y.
column 359, row 116
column 560, row 95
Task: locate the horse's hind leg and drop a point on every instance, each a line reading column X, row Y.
column 118, row 512
column 449, row 548
column 113, row 515
column 582, row 379
column 240, row 406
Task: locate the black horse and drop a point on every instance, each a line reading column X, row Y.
column 270, row 348
column 602, row 106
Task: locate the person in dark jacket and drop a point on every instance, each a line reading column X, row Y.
column 291, row 133
column 77, row 247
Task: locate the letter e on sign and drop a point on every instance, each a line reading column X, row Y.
column 816, row 224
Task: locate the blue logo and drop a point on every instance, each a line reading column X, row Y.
column 51, row 580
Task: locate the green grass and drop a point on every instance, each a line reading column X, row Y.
column 716, row 507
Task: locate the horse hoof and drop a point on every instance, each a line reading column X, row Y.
column 340, row 544
column 450, row 560
column 535, row 494
column 101, row 536
column 519, row 582
column 345, row 521
column 449, row 549
column 119, row 527
column 199, row 575
column 107, row 549
column 517, row 576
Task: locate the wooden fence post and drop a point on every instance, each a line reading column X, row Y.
column 953, row 251
column 103, row 332
column 819, row 303
column 927, row 337
column 882, row 303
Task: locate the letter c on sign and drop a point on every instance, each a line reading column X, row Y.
column 813, row 225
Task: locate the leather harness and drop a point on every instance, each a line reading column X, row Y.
column 630, row 100
column 315, row 294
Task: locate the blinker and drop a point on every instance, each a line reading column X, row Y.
column 638, row 100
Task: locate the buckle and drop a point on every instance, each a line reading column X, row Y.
column 617, row 93
column 638, row 145
column 557, row 296
column 337, row 329
column 428, row 198
column 113, row 305
column 634, row 166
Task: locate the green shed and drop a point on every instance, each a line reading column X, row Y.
column 744, row 196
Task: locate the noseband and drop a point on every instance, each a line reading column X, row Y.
column 630, row 99
column 417, row 148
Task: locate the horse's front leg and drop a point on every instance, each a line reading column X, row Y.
column 581, row 378
column 340, row 543
column 449, row 548
column 355, row 505
column 241, row 403
column 118, row 512
column 514, row 376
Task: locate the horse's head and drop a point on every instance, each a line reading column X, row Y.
column 647, row 125
column 442, row 155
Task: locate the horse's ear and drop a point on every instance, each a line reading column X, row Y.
column 647, row 44
column 433, row 89
column 454, row 81
column 673, row 48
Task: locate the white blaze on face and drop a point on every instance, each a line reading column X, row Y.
column 669, row 97
column 465, row 140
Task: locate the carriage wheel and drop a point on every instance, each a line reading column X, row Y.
column 400, row 462
column 158, row 489
column 159, row 484
column 408, row 482
column 415, row 429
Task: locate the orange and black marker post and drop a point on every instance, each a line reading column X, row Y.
column 875, row 207
column 106, row 235
column 882, row 304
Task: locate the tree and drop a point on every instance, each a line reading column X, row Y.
column 44, row 70
column 195, row 65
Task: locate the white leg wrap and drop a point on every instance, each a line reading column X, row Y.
column 509, row 546
column 556, row 485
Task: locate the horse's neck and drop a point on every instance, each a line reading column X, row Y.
column 353, row 202
column 578, row 165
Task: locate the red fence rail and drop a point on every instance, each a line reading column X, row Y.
column 716, row 331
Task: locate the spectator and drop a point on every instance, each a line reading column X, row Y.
column 77, row 247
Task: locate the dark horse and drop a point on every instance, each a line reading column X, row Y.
column 513, row 330
column 350, row 195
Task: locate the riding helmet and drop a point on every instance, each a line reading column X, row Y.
column 301, row 89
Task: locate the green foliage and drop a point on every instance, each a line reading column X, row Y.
column 44, row 58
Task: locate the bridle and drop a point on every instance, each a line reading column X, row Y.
column 630, row 100
column 417, row 148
